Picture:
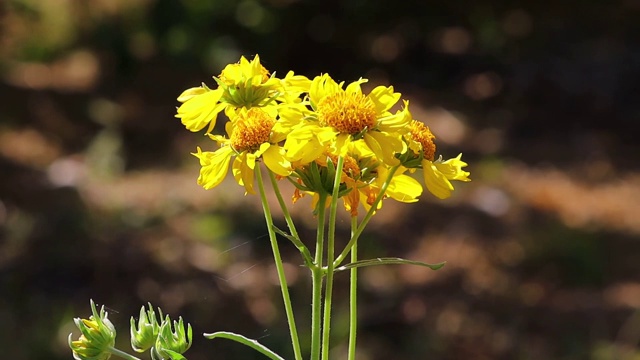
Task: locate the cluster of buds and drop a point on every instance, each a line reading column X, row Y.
column 97, row 341
column 299, row 127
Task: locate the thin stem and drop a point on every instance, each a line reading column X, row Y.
column 353, row 295
column 122, row 354
column 295, row 342
column 287, row 216
column 316, row 278
column 328, row 295
column 366, row 219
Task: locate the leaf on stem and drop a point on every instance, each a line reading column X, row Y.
column 388, row 261
column 298, row 244
column 245, row 341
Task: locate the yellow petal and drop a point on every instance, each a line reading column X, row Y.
column 189, row 93
column 243, row 170
column 452, row 169
column 200, row 110
column 322, row 86
column 354, row 87
column 302, row 144
column 404, row 188
column 385, row 146
column 435, row 181
column 215, row 166
column 296, row 83
column 384, row 98
column 399, row 122
column 275, row 160
column 341, row 144
column 352, row 200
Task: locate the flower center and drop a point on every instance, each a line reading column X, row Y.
column 421, row 133
column 251, row 130
column 347, row 113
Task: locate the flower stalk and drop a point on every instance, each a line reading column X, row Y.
column 293, row 330
column 328, row 297
column 353, row 295
column 317, row 276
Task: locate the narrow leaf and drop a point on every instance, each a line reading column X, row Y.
column 389, row 261
column 245, row 341
column 298, row 244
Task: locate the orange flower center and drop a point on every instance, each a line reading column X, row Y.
column 421, row 133
column 347, row 113
column 251, row 130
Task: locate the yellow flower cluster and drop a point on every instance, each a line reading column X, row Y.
column 300, row 127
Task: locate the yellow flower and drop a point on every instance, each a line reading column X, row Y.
column 361, row 180
column 251, row 137
column 437, row 173
column 420, row 140
column 346, row 115
column 246, row 84
column 401, row 187
column 245, row 73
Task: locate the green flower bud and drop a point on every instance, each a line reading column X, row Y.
column 143, row 337
column 97, row 339
column 170, row 344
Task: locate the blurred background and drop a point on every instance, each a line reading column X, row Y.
column 98, row 193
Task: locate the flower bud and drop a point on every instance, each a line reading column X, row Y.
column 143, row 337
column 97, row 339
column 170, row 344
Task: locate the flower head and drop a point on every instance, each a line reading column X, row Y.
column 346, row 115
column 97, row 339
column 437, row 173
column 251, row 137
column 246, row 84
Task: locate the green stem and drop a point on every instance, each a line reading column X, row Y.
column 316, row 277
column 366, row 219
column 353, row 295
column 279, row 267
column 295, row 238
column 122, row 354
column 328, row 296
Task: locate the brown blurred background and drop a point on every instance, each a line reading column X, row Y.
column 98, row 198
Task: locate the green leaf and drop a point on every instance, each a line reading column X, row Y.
column 299, row 245
column 175, row 355
column 245, row 341
column 389, row 261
